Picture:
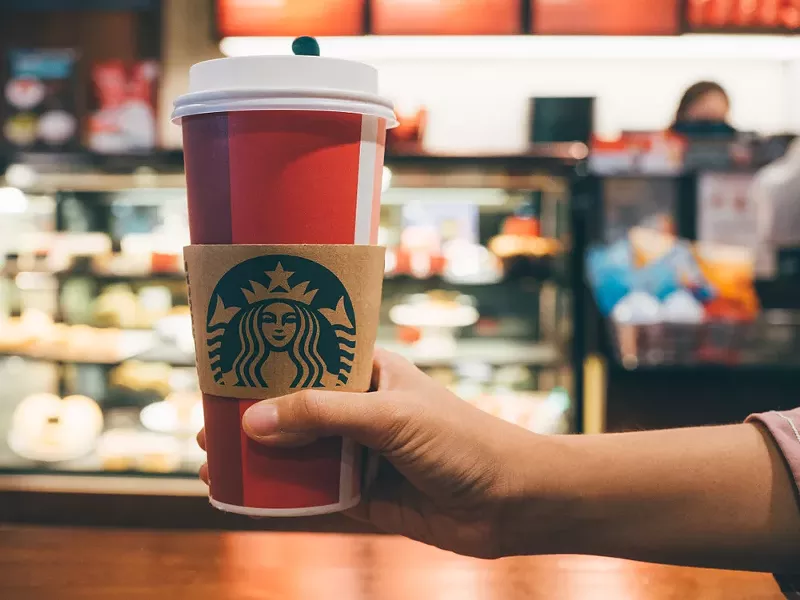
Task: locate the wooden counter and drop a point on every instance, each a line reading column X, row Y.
column 99, row 564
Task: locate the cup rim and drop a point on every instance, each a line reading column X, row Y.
column 197, row 103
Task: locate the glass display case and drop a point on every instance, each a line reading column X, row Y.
column 96, row 350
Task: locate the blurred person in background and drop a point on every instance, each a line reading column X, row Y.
column 458, row 478
column 704, row 109
column 776, row 193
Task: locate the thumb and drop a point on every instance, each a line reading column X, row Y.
column 299, row 418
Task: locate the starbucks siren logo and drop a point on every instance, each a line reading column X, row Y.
column 280, row 321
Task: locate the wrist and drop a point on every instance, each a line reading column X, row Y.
column 545, row 509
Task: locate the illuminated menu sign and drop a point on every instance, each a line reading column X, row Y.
column 446, row 17
column 743, row 15
column 290, row 17
column 605, row 17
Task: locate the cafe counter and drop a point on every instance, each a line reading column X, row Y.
column 82, row 563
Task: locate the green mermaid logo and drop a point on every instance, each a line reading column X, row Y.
column 280, row 322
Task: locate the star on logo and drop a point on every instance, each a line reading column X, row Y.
column 279, row 278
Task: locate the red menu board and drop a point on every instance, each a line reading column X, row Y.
column 605, row 17
column 290, row 17
column 446, row 17
column 744, row 15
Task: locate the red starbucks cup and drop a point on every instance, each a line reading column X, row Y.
column 284, row 158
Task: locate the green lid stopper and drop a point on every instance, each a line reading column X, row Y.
column 305, row 46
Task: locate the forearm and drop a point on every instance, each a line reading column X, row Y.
column 718, row 496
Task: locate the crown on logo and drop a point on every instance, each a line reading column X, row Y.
column 259, row 292
column 279, row 288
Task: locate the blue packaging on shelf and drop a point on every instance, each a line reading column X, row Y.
column 610, row 273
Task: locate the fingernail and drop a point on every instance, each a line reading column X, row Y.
column 261, row 420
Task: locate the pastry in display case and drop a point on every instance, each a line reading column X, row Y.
column 140, row 256
column 154, row 302
column 418, row 255
column 436, row 315
column 46, row 428
column 155, row 253
column 121, row 264
column 522, row 248
column 146, row 420
column 77, row 300
column 17, row 334
column 539, row 412
column 175, row 329
column 429, row 234
column 513, row 378
column 82, row 343
column 508, row 393
column 134, row 450
column 142, row 377
column 116, row 306
column 71, row 251
column 180, row 413
column 470, row 264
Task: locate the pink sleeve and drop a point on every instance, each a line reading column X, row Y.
column 785, row 428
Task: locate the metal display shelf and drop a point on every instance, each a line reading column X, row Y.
column 180, row 277
column 495, row 352
column 492, row 351
column 51, row 358
column 536, row 169
column 104, row 277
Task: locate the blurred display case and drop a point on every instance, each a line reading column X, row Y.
column 690, row 319
column 96, row 352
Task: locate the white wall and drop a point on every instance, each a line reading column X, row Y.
column 482, row 104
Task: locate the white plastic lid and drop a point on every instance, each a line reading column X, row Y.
column 283, row 83
column 282, row 73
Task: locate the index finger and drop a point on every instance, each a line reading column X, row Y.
column 390, row 371
column 201, row 439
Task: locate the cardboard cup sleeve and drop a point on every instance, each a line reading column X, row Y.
column 269, row 320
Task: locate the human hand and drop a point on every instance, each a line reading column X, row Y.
column 457, row 478
column 450, row 475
